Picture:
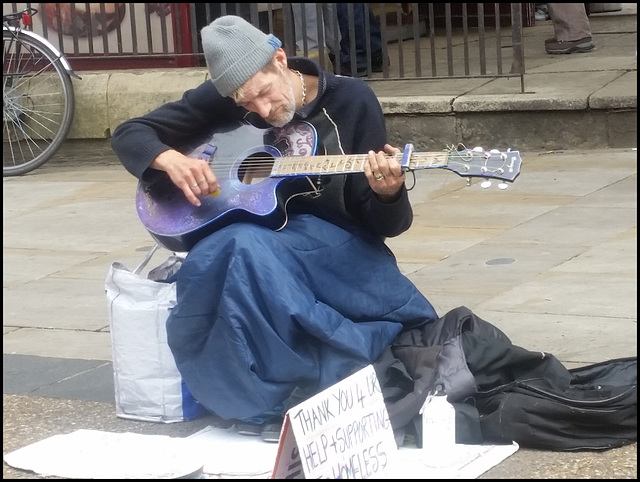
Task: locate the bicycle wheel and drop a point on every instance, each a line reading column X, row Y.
column 37, row 104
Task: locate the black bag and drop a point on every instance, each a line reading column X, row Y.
column 546, row 406
column 504, row 393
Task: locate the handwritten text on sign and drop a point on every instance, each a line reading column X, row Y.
column 344, row 432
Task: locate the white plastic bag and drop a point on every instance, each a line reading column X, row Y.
column 148, row 385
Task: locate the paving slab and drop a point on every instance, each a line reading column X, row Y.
column 551, row 261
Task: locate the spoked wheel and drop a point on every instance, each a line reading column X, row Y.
column 37, row 104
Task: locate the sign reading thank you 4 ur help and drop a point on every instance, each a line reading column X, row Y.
column 343, row 432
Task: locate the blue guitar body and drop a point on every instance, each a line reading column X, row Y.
column 233, row 153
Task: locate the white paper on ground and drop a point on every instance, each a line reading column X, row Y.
column 230, row 454
column 219, row 453
column 461, row 461
column 94, row 454
column 249, row 457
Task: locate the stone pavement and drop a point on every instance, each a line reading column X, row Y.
column 552, row 260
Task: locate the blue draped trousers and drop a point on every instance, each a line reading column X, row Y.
column 261, row 312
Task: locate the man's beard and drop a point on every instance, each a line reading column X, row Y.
column 285, row 112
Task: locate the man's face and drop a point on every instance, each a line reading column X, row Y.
column 270, row 95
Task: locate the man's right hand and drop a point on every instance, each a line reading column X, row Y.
column 193, row 176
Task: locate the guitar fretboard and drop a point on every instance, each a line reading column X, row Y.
column 339, row 164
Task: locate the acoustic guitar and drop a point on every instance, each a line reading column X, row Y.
column 251, row 163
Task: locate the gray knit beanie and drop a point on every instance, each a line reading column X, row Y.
column 235, row 50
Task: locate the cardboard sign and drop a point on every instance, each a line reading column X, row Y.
column 343, row 432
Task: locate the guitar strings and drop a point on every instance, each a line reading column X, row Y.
column 355, row 162
column 254, row 160
column 313, row 164
column 356, row 159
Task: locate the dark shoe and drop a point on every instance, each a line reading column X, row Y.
column 271, row 430
column 332, row 59
column 377, row 62
column 247, row 428
column 550, row 40
column 569, row 47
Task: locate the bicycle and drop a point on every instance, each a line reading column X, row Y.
column 38, row 99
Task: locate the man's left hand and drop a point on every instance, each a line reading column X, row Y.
column 384, row 173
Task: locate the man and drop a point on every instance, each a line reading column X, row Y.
column 268, row 317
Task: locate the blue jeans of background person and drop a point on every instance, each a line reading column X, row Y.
column 360, row 37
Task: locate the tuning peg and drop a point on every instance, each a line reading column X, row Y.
column 503, row 185
column 485, row 184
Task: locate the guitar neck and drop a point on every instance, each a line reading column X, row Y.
column 345, row 164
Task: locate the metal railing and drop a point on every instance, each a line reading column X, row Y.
column 416, row 41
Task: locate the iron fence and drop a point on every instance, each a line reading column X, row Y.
column 378, row 41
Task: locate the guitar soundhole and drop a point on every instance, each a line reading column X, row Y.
column 163, row 190
column 255, row 168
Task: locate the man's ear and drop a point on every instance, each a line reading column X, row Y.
column 281, row 58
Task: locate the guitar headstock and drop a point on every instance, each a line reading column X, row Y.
column 492, row 164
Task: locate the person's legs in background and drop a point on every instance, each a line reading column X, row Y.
column 572, row 29
column 375, row 39
column 331, row 30
column 305, row 17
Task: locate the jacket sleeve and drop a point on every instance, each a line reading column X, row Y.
column 381, row 218
column 138, row 141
